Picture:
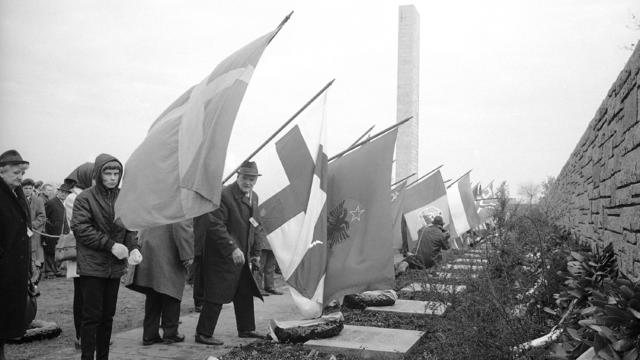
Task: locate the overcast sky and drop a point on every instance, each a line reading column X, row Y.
column 506, row 87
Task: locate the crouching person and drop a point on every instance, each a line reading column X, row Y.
column 102, row 251
column 162, row 280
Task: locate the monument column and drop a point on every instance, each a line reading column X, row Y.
column 408, row 98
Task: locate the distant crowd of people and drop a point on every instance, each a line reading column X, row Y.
column 222, row 253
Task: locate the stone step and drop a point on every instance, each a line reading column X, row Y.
column 441, row 288
column 368, row 342
column 464, row 267
column 450, row 275
column 477, row 261
column 412, row 307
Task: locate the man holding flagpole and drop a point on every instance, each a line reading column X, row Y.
column 230, row 237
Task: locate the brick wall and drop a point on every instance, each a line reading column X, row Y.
column 597, row 193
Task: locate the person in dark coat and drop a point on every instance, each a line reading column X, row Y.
column 200, row 225
column 57, row 224
column 79, row 179
column 15, row 253
column 102, row 248
column 169, row 253
column 229, row 239
column 432, row 239
column 38, row 220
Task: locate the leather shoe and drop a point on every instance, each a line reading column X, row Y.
column 155, row 340
column 208, row 340
column 173, row 339
column 250, row 334
column 273, row 291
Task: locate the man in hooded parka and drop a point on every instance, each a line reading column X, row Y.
column 102, row 249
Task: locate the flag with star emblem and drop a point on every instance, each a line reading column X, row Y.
column 427, row 198
column 294, row 182
column 176, row 173
column 397, row 202
column 360, row 255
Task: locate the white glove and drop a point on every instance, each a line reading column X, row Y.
column 120, row 251
column 135, row 257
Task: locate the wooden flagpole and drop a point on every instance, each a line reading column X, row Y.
column 284, row 21
column 377, row 135
column 458, row 179
column 363, row 135
column 401, row 180
column 281, row 128
column 425, row 175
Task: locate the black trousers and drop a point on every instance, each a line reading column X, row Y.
column 242, row 306
column 77, row 306
column 198, row 279
column 99, row 297
column 160, row 309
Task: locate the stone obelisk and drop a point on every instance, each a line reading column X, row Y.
column 408, row 90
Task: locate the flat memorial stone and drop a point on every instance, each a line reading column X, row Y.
column 477, row 261
column 449, row 275
column 369, row 342
column 464, row 267
column 470, row 255
column 441, row 288
column 413, row 307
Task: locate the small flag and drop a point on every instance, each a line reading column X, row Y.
column 464, row 214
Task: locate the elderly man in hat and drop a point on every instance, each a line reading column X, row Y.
column 15, row 259
column 230, row 238
column 432, row 239
column 57, row 224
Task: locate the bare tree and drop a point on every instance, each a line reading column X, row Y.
column 529, row 191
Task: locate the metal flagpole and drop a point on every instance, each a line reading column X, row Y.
column 281, row 128
column 377, row 135
column 458, row 179
column 425, row 175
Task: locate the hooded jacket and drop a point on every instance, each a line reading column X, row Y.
column 95, row 230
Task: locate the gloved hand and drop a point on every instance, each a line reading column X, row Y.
column 120, row 251
column 238, row 257
column 135, row 257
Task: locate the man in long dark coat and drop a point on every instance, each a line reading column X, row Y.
column 57, row 224
column 15, row 258
column 227, row 277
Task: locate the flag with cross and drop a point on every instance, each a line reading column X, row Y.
column 176, row 172
column 293, row 214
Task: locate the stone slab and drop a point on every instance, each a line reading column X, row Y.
column 441, row 288
column 412, row 307
column 464, row 267
column 369, row 342
column 475, row 261
column 470, row 255
column 450, row 275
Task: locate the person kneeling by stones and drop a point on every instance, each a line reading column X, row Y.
column 169, row 253
column 432, row 240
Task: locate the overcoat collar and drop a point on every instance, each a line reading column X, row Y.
column 17, row 198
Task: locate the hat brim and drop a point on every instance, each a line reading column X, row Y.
column 252, row 173
column 14, row 162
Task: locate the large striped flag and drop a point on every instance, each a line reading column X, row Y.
column 464, row 214
column 426, row 198
column 176, row 173
column 359, row 222
column 294, row 184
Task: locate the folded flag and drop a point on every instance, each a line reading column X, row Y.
column 397, row 203
column 294, row 214
column 176, row 173
column 360, row 255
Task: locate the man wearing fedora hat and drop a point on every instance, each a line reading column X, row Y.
column 231, row 232
column 56, row 225
column 15, row 259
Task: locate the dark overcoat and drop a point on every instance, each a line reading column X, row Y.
column 15, row 261
column 38, row 220
column 56, row 224
column 229, row 229
column 164, row 248
column 431, row 241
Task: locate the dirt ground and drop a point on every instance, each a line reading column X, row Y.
column 56, row 304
